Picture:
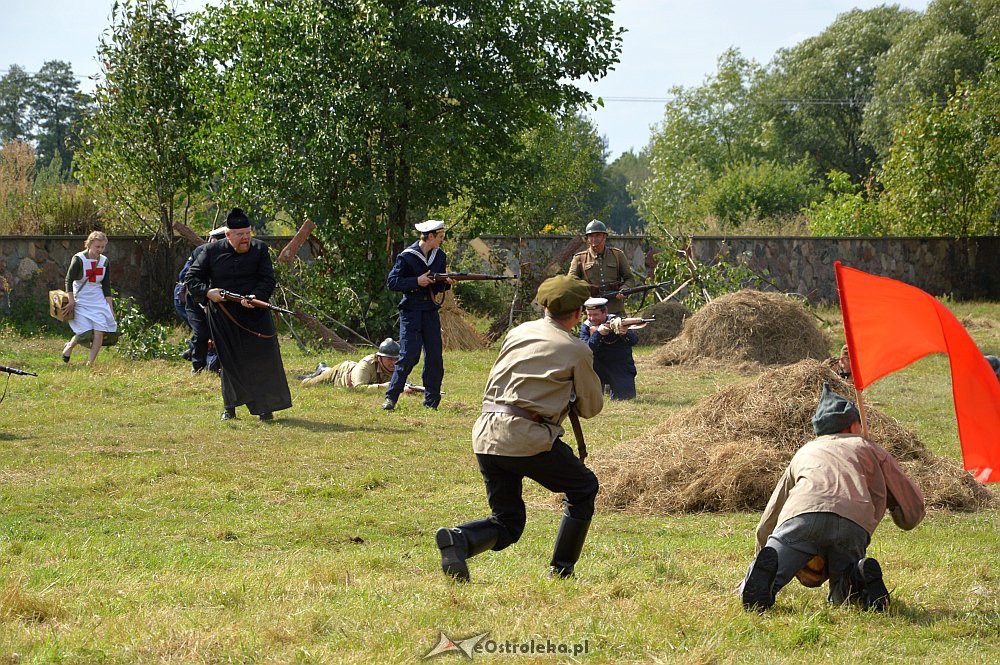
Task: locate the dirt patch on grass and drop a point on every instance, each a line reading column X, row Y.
column 727, row 452
column 747, row 326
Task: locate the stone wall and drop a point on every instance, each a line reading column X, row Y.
column 963, row 268
column 966, row 269
column 30, row 266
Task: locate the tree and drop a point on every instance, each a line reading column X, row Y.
column 820, row 88
column 57, row 106
column 140, row 143
column 704, row 130
column 943, row 172
column 15, row 100
column 363, row 116
column 551, row 185
column 951, row 42
column 620, row 180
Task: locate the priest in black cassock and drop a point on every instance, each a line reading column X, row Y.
column 245, row 336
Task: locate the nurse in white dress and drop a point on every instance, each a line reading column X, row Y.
column 90, row 296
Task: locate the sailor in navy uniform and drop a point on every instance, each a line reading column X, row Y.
column 419, row 322
column 613, row 360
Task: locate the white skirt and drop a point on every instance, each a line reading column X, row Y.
column 92, row 312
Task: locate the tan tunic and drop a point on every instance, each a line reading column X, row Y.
column 366, row 373
column 847, row 475
column 539, row 367
column 607, row 271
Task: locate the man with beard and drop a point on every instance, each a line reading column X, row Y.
column 245, row 336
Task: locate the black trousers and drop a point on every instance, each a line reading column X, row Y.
column 557, row 470
column 198, row 321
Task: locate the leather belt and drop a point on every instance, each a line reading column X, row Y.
column 511, row 410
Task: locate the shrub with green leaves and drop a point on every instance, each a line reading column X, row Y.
column 756, row 191
column 847, row 209
column 138, row 338
column 726, row 273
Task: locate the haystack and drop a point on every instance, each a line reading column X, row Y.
column 670, row 316
column 727, row 452
column 747, row 327
column 456, row 333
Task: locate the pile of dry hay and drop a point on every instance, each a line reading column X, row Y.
column 456, row 333
column 728, row 451
column 747, row 327
column 670, row 316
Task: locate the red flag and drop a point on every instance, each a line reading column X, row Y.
column 890, row 324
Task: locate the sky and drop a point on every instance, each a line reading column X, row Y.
column 668, row 43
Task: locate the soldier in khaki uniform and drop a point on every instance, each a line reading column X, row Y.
column 372, row 371
column 528, row 395
column 604, row 268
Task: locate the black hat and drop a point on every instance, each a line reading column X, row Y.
column 834, row 414
column 237, row 219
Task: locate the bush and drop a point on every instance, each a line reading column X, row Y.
column 760, row 191
column 847, row 209
column 138, row 338
column 486, row 298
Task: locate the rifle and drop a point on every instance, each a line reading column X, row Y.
column 467, row 276
column 630, row 291
column 255, row 301
column 19, row 372
column 620, row 326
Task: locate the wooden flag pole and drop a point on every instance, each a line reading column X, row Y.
column 861, row 409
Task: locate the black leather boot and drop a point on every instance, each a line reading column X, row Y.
column 758, row 588
column 462, row 542
column 569, row 543
column 867, row 586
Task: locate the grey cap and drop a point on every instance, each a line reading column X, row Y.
column 596, row 226
column 388, row 348
column 834, row 414
column 995, row 364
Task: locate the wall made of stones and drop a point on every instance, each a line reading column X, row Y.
column 964, row 268
column 31, row 266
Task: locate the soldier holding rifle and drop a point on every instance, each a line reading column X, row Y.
column 611, row 338
column 419, row 321
column 530, row 391
column 604, row 268
column 243, row 331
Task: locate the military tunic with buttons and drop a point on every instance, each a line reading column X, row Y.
column 607, row 271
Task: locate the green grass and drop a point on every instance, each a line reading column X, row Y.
column 136, row 527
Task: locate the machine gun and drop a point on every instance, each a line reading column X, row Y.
column 255, row 301
column 9, row 371
column 467, row 277
column 19, row 372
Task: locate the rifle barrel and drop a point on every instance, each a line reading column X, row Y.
column 19, row 372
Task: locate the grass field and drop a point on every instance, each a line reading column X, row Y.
column 136, row 527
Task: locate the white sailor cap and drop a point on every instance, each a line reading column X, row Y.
column 430, row 225
column 594, row 303
column 218, row 232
